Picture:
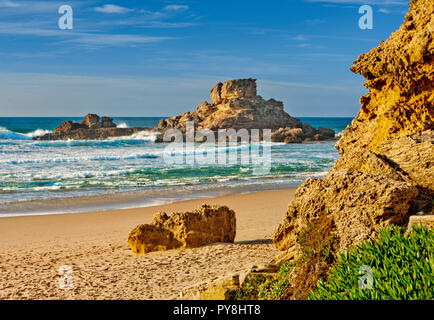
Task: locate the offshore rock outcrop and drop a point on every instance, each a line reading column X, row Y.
column 206, row 225
column 91, row 128
column 235, row 104
column 385, row 172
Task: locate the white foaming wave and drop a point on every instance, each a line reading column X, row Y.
column 6, row 134
column 141, row 135
column 81, row 159
column 122, row 125
column 37, row 133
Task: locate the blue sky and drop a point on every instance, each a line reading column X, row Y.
column 161, row 58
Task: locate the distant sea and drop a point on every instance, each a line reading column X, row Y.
column 38, row 177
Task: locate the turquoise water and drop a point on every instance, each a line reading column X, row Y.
column 40, row 170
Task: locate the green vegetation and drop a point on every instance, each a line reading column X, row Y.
column 262, row 288
column 402, row 266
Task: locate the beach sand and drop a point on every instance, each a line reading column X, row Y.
column 94, row 244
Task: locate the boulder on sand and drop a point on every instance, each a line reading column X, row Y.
column 208, row 224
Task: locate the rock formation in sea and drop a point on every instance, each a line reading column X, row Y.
column 385, row 172
column 91, row 128
column 235, row 104
column 208, row 224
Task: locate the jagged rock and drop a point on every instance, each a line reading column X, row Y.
column 308, row 130
column 235, row 104
column 238, row 88
column 216, row 97
column 90, row 129
column 400, row 104
column 66, row 127
column 91, row 121
column 326, row 132
column 385, row 171
column 208, row 224
column 108, row 123
column 288, row 135
column 147, row 238
column 358, row 203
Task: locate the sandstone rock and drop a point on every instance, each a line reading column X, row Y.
column 90, row 129
column 216, row 96
column 147, row 238
column 91, row 121
column 424, row 220
column 66, row 127
column 213, row 289
column 385, row 170
column 239, row 88
column 221, row 288
column 400, row 102
column 208, row 224
column 236, row 105
column 216, row 293
column 358, row 203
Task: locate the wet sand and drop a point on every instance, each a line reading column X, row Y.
column 94, row 245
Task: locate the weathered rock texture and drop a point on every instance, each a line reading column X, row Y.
column 91, row 128
column 208, row 224
column 418, row 221
column 360, row 204
column 221, row 288
column 235, row 104
column 385, row 172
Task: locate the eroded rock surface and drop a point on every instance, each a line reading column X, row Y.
column 91, row 128
column 385, row 172
column 236, row 105
column 208, row 224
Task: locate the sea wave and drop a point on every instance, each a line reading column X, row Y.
column 6, row 134
column 122, row 125
column 37, row 133
column 80, row 159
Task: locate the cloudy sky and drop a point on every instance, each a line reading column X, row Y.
column 161, row 57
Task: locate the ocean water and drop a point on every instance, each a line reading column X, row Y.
column 39, row 177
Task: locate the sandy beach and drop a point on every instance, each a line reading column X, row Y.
column 94, row 244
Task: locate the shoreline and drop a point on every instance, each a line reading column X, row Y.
column 94, row 244
column 131, row 199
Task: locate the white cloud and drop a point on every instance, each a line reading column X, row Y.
column 176, row 7
column 112, row 8
column 383, row 10
column 9, row 4
column 95, row 39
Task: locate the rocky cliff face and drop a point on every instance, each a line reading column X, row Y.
column 386, row 168
column 235, row 104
